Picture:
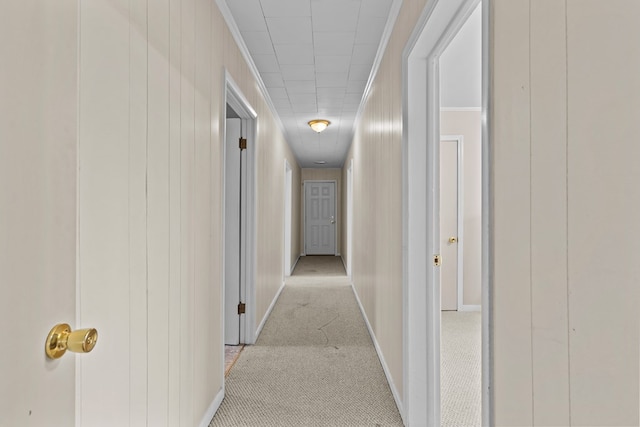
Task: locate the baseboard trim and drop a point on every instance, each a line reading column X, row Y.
column 266, row 315
column 344, row 263
column 212, row 409
column 467, row 307
column 385, row 367
column 293, row 267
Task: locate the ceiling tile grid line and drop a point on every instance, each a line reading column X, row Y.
column 315, row 59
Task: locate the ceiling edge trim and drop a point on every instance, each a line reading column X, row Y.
column 382, row 47
column 235, row 32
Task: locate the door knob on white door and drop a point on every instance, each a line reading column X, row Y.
column 61, row 339
column 453, row 239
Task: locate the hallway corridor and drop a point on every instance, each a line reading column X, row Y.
column 314, row 363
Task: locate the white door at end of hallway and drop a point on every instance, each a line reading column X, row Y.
column 449, row 224
column 232, row 232
column 320, row 218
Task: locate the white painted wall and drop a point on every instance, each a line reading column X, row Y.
column 566, row 97
column 566, row 200
column 461, row 66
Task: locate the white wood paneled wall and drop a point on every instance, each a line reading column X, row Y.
column 566, row 235
column 566, row 97
column 134, row 89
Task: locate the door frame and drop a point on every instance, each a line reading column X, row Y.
column 349, row 263
column 459, row 140
column 335, row 207
column 239, row 103
column 439, row 22
column 287, row 218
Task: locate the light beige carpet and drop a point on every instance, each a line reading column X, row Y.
column 461, row 369
column 314, row 363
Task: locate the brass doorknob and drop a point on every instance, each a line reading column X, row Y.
column 61, row 339
column 453, row 239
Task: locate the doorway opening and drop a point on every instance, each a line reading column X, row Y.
column 423, row 235
column 239, row 240
column 288, row 203
column 349, row 263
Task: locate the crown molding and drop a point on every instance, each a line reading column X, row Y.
column 237, row 36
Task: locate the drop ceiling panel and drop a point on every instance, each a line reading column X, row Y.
column 298, row 54
column 281, row 8
column 248, row 15
column 290, row 30
column 331, row 63
column 266, row 63
column 331, row 79
column 298, row 72
column 314, row 57
column 335, row 15
column 369, row 28
column 333, row 43
column 272, row 79
column 258, row 42
column 301, row 86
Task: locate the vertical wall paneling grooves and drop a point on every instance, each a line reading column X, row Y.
column 512, row 214
column 137, row 211
column 603, row 209
column 175, row 214
column 550, row 346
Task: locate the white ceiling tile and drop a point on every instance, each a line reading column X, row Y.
column 331, row 91
column 359, row 72
column 266, row 63
column 278, row 93
column 290, row 30
column 370, row 29
column 294, row 54
column 335, row 15
column 356, row 86
column 302, row 98
column 333, row 63
column 331, row 79
column 378, row 8
column 333, row 43
column 352, row 97
column 272, row 79
column 330, row 97
column 364, row 53
column 286, row 7
column 247, row 14
column 330, row 105
column 300, row 86
column 305, row 108
column 298, row 72
column 281, row 102
column 258, row 42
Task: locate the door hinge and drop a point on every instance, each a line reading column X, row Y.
column 243, row 144
column 437, row 261
column 241, row 308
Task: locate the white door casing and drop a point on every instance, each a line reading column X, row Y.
column 288, row 203
column 350, row 219
column 238, row 102
column 320, row 217
column 232, row 231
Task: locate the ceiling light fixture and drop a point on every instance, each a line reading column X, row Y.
column 319, row 125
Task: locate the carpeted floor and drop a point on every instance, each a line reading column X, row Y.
column 460, row 375
column 314, row 363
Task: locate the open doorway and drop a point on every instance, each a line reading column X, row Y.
column 460, row 195
column 239, row 218
column 424, row 233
